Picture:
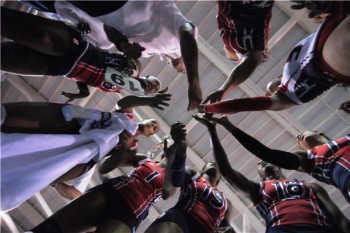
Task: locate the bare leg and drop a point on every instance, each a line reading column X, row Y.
column 43, row 35
column 113, row 226
column 336, row 50
column 37, row 117
column 19, row 59
column 79, row 215
column 168, row 227
column 71, row 174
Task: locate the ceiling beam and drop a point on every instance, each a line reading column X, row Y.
column 29, row 92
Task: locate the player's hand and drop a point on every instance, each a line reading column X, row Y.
column 83, row 28
column 133, row 50
column 178, row 134
column 159, row 100
column 214, row 97
column 169, row 150
column 72, row 96
column 203, row 120
column 315, row 8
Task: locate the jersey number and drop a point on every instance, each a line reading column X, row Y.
column 215, row 198
column 151, row 176
column 292, row 189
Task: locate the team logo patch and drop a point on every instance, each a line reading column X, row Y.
column 75, row 41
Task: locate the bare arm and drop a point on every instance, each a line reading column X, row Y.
column 133, row 50
column 276, row 102
column 83, row 92
column 127, row 103
column 249, row 188
column 67, row 191
column 238, row 75
column 341, row 222
column 189, row 52
column 280, row 158
column 176, row 159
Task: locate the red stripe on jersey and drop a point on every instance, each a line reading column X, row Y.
column 290, row 202
column 206, row 204
column 144, row 187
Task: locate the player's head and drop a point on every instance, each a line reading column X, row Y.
column 149, row 127
column 150, row 84
column 212, row 171
column 268, row 171
column 309, row 139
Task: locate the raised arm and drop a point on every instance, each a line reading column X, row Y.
column 279, row 158
column 127, row 103
column 249, row 188
column 189, row 52
column 176, row 159
column 133, row 50
column 277, row 102
column 340, row 221
column 238, row 75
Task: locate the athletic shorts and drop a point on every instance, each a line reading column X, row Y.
column 117, row 207
column 61, row 65
column 247, row 26
column 341, row 179
column 182, row 219
column 300, row 228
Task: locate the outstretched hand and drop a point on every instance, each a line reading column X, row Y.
column 203, row 120
column 159, row 100
column 72, row 96
column 83, row 28
column 178, row 134
column 132, row 50
column 315, row 8
column 214, row 97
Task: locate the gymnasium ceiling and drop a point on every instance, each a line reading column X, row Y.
column 274, row 129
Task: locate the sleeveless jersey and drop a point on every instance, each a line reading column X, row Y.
column 90, row 68
column 143, row 188
column 289, row 202
column 244, row 25
column 203, row 202
column 305, row 74
column 332, row 163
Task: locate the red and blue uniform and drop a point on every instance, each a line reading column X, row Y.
column 288, row 202
column 203, row 202
column 129, row 198
column 332, row 164
column 87, row 64
column 143, row 188
column 201, row 207
column 244, row 25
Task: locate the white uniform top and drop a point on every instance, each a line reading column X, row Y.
column 153, row 24
column 301, row 82
column 81, row 182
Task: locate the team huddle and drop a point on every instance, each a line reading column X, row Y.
column 57, row 144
